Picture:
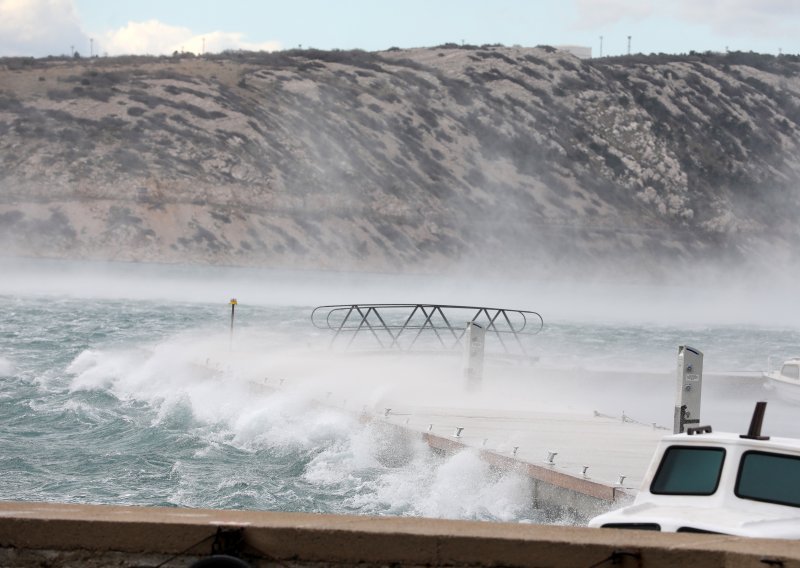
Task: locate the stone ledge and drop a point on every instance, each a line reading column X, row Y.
column 64, row 533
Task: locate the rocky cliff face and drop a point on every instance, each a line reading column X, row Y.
column 407, row 159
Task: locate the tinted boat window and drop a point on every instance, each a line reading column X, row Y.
column 773, row 478
column 697, row 531
column 633, row 526
column 791, row 371
column 688, row 471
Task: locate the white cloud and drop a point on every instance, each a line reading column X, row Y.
column 40, row 28
column 755, row 18
column 598, row 13
column 53, row 27
column 157, row 38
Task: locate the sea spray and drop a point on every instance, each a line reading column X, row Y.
column 360, row 468
column 121, row 402
column 6, row 367
column 460, row 486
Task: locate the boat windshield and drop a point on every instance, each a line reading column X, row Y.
column 688, row 470
column 791, row 371
column 771, row 478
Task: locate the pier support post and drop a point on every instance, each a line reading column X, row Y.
column 475, row 338
column 689, row 387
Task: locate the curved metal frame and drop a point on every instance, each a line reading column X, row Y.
column 360, row 315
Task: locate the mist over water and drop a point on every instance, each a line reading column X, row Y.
column 106, row 397
column 706, row 296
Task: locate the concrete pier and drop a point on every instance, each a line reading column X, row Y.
column 55, row 535
column 594, row 456
column 619, row 452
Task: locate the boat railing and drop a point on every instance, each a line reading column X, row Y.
column 407, row 327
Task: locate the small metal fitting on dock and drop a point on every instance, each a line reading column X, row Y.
column 551, row 457
column 457, row 433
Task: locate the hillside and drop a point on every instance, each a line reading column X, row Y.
column 425, row 159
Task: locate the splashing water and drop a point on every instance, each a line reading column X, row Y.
column 112, row 402
column 116, row 407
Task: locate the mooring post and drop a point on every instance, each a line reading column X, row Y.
column 233, row 303
column 473, row 355
column 689, row 387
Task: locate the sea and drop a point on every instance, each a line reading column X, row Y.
column 104, row 399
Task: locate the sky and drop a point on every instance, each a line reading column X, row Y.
column 40, row 28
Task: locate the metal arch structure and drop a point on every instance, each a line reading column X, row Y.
column 403, row 326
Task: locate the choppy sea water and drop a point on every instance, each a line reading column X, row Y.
column 99, row 404
column 95, row 408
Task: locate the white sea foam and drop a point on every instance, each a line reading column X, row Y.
column 460, row 486
column 384, row 471
column 98, row 370
column 6, row 367
column 166, row 375
column 288, row 420
column 169, row 378
column 376, row 469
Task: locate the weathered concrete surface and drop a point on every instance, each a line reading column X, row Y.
column 67, row 535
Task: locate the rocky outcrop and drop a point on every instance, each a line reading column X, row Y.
column 408, row 159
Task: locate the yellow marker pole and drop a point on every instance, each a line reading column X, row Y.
column 233, row 303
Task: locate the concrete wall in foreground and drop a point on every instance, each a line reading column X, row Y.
column 54, row 535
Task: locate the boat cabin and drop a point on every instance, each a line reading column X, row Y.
column 791, row 369
column 723, row 483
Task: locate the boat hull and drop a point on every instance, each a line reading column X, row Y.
column 786, row 388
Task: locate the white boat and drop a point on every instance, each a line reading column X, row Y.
column 786, row 381
column 710, row 482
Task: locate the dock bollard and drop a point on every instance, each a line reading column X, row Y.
column 551, row 456
column 457, row 433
